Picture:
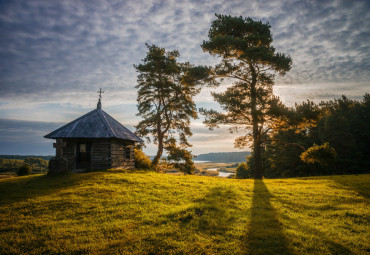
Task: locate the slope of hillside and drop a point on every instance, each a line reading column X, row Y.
column 141, row 213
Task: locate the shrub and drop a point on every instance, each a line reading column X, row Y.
column 321, row 154
column 181, row 159
column 243, row 171
column 142, row 161
column 24, row 170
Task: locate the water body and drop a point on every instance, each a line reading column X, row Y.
column 224, row 174
column 220, row 174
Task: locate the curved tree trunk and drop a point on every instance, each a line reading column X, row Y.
column 158, row 156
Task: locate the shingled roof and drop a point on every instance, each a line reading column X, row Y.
column 95, row 124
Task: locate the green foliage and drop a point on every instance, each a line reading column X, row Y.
column 10, row 164
column 282, row 156
column 243, row 171
column 37, row 165
column 249, row 60
column 24, row 170
column 343, row 123
column 180, row 158
column 320, row 154
column 36, row 161
column 113, row 212
column 142, row 161
column 346, row 126
column 166, row 89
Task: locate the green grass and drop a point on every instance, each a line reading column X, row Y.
column 151, row 213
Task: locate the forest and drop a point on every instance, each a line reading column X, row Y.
column 37, row 165
column 343, row 125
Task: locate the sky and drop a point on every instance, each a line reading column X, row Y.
column 55, row 55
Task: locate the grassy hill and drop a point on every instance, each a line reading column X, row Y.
column 142, row 213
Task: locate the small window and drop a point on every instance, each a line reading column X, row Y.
column 127, row 153
column 82, row 147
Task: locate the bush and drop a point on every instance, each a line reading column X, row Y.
column 320, row 154
column 24, row 170
column 142, row 161
column 181, row 159
column 243, row 171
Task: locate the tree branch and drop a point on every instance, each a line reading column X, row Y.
column 285, row 143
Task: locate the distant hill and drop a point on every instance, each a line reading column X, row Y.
column 220, row 157
column 25, row 156
column 224, row 157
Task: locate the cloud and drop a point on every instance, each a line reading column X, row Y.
column 54, row 55
column 25, row 137
column 49, row 50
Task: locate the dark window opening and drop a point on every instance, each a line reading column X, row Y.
column 127, row 153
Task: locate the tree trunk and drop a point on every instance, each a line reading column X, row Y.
column 257, row 159
column 160, row 144
column 256, row 135
column 157, row 157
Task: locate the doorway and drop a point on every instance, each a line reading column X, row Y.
column 83, row 156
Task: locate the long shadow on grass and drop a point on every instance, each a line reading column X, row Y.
column 211, row 215
column 23, row 188
column 264, row 233
column 214, row 213
column 333, row 247
column 358, row 183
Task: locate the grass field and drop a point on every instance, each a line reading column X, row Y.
column 151, row 213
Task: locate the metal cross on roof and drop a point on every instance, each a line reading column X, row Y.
column 99, row 102
column 100, row 91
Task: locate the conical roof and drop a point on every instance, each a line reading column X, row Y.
column 95, row 124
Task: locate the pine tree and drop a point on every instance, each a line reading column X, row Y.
column 249, row 60
column 165, row 99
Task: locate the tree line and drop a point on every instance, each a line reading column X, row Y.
column 37, row 165
column 285, row 141
column 223, row 157
column 334, row 139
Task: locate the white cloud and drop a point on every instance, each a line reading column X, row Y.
column 58, row 53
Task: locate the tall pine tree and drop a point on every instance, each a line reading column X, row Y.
column 249, row 60
column 165, row 101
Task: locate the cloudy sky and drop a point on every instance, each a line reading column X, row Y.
column 55, row 55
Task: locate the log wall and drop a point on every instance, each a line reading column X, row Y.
column 101, row 154
column 105, row 153
column 118, row 157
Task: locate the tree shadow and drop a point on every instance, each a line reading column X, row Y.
column 22, row 188
column 264, row 233
column 358, row 183
column 331, row 246
column 214, row 213
column 263, row 214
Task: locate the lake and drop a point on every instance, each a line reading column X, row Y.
column 220, row 174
